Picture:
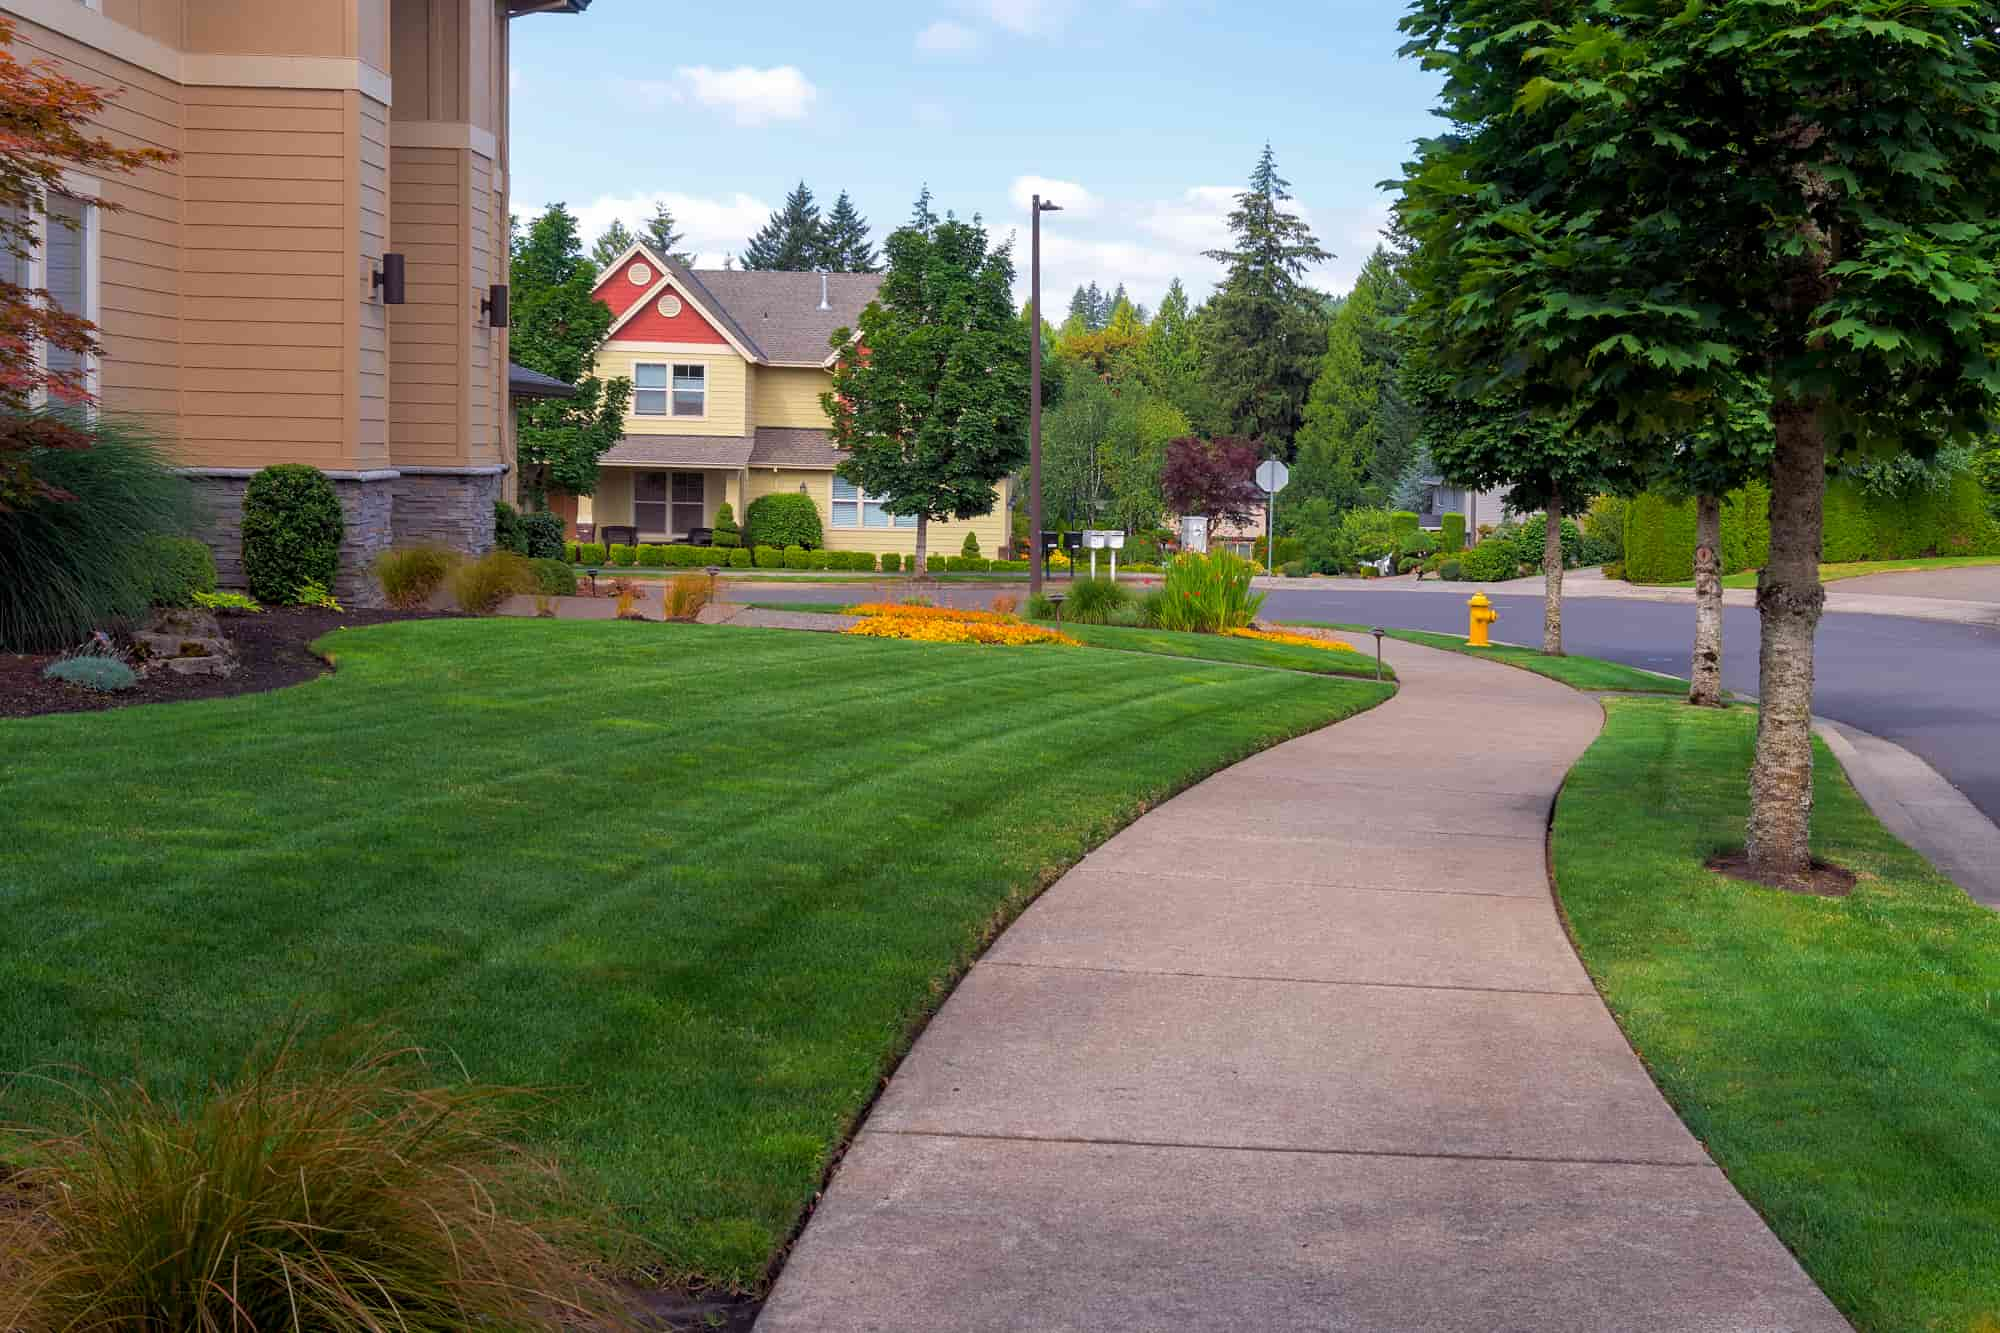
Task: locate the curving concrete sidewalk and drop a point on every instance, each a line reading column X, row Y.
column 1304, row 1048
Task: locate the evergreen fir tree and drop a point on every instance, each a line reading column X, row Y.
column 1265, row 331
column 664, row 238
column 1171, row 362
column 923, row 217
column 793, row 240
column 1080, row 308
column 1099, row 313
column 615, row 241
column 847, row 248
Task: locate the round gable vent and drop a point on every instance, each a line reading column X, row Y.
column 639, row 275
column 670, row 305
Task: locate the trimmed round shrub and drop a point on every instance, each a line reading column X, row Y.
column 590, row 554
column 571, row 551
column 410, row 575
column 625, row 557
column 821, row 559
column 971, row 548
column 786, row 518
column 508, row 534
column 1451, row 570
column 1294, row 569
column 479, row 586
column 796, row 557
column 683, row 556
column 182, row 567
column 106, row 674
column 933, row 564
column 769, row 557
column 892, row 562
column 740, row 557
column 725, row 532
column 292, row 530
column 1491, row 561
column 554, row 578
column 652, row 556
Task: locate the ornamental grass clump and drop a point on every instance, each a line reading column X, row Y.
column 347, row 1188
column 1206, row 594
column 686, row 595
column 1095, row 601
column 479, row 586
column 410, row 575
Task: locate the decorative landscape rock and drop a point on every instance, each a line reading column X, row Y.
column 187, row 641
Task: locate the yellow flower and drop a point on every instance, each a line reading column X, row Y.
column 985, row 627
column 1299, row 640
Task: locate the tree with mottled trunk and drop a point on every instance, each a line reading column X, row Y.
column 1643, row 215
column 1705, row 673
column 1552, row 579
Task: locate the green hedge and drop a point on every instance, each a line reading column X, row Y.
column 1659, row 533
column 769, row 557
column 1451, row 533
column 1402, row 520
column 786, row 518
column 591, row 553
column 740, row 557
column 181, row 567
column 892, row 562
column 652, row 556
column 292, row 530
column 1491, row 561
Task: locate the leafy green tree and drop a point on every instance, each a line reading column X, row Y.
column 1134, row 457
column 1644, row 207
column 1264, row 334
column 663, row 237
column 1073, row 442
column 558, row 325
column 1336, row 443
column 614, row 241
column 934, row 413
column 794, row 240
column 846, row 248
column 1171, row 362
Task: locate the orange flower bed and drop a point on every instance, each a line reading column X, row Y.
column 1299, row 640
column 902, row 612
column 938, row 629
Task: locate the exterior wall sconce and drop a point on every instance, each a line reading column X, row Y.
column 493, row 306
column 389, row 280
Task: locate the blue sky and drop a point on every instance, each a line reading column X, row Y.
column 1141, row 116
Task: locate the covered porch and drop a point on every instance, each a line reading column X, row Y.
column 659, row 503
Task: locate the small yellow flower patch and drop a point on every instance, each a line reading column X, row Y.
column 898, row 611
column 936, row 629
column 1300, row 640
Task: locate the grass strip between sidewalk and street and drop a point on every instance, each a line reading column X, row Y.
column 1583, row 673
column 698, row 885
column 1837, row 1056
column 1747, row 578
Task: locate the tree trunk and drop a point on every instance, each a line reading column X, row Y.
column 918, row 563
column 1706, row 672
column 1789, row 600
column 1552, row 580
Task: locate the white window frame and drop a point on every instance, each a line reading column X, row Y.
column 673, row 373
column 862, row 499
column 84, row 189
column 666, row 404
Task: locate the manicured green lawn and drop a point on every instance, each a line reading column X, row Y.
column 1837, row 1056
column 1856, row 569
column 698, row 883
column 1584, row 673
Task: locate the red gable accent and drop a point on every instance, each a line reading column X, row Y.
column 649, row 325
column 618, row 291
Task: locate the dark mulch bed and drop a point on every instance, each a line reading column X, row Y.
column 271, row 653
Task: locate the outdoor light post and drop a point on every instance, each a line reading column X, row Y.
column 1037, row 208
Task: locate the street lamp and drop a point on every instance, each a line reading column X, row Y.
column 1038, row 207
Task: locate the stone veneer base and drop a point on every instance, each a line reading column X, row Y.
column 449, row 507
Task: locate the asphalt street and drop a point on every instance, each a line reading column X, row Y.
column 1931, row 686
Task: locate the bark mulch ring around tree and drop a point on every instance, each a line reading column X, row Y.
column 1825, row 881
column 271, row 653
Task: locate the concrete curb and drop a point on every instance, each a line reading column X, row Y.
column 1914, row 802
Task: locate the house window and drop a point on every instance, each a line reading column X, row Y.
column 64, row 263
column 691, row 391
column 649, row 502
column 690, row 501
column 854, row 508
column 649, row 389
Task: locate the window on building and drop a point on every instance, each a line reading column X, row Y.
column 649, row 503
column 63, row 263
column 855, row 508
column 690, row 501
column 649, row 389
column 691, row 391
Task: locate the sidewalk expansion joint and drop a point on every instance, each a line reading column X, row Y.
column 1285, row 1150
column 1283, row 981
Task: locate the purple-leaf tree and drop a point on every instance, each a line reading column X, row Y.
column 1214, row 478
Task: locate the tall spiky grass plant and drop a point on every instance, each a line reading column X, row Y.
column 1207, row 594
column 74, row 564
column 337, row 1189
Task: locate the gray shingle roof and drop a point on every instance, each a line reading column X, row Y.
column 785, row 446
column 779, row 314
column 525, row 383
column 681, row 450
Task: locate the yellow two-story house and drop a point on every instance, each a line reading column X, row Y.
column 727, row 367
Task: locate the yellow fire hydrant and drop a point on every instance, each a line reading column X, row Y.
column 1483, row 615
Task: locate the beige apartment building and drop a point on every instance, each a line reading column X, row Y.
column 330, row 151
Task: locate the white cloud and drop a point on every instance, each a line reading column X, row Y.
column 945, row 37
column 750, row 96
column 1073, row 197
column 1027, row 18
column 710, row 228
